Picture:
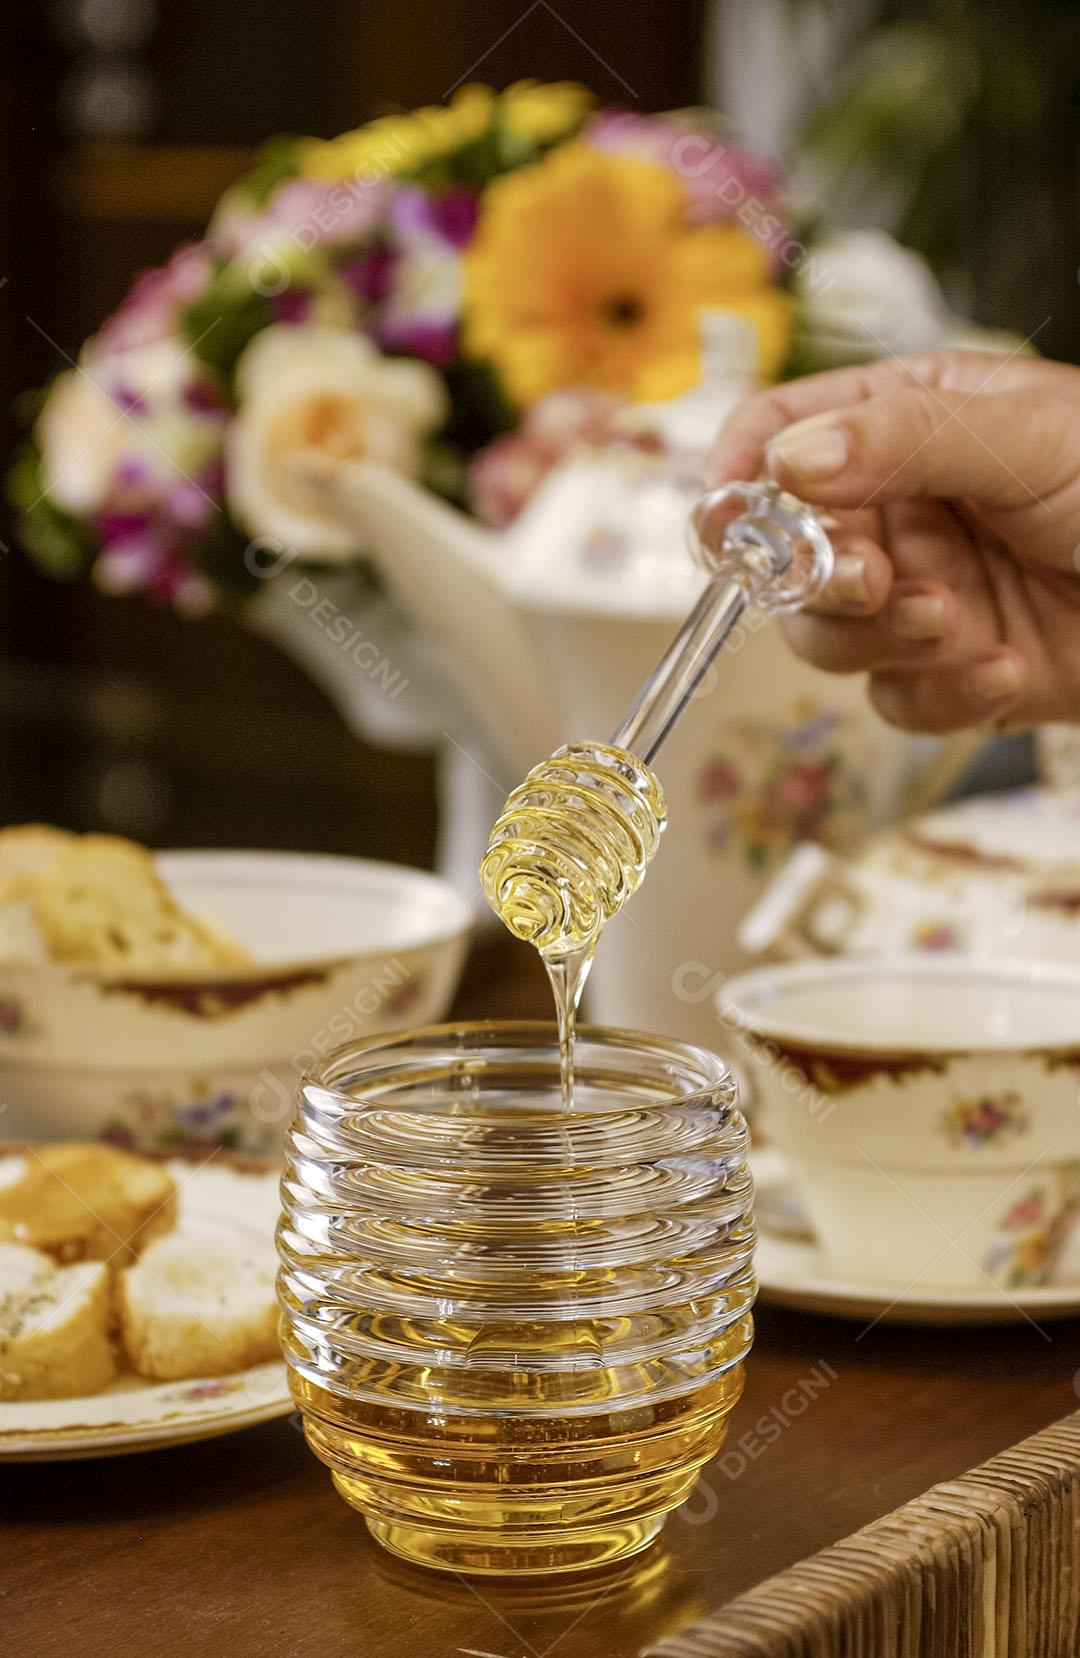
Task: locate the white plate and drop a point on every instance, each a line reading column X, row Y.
column 792, row 1272
column 135, row 1415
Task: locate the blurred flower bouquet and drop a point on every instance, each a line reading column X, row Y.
column 460, row 293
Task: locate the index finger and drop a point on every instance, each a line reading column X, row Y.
column 740, row 445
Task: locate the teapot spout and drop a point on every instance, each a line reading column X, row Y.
column 447, row 573
column 409, row 530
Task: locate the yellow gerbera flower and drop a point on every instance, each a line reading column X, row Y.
column 400, row 143
column 583, row 272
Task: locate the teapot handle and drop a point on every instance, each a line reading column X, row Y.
column 811, row 904
column 815, row 898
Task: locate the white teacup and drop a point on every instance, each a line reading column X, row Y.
column 929, row 1107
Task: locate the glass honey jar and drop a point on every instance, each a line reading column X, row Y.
column 514, row 1326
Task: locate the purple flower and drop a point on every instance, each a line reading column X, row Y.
column 201, row 396
column 432, row 338
column 454, row 216
column 322, row 214
column 189, row 506
column 450, row 217
column 145, row 552
column 130, row 562
column 419, row 312
column 294, row 305
column 304, row 212
column 126, row 400
column 131, row 474
column 370, row 275
column 121, row 526
column 151, row 310
column 147, row 564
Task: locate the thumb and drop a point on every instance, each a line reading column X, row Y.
column 1006, row 453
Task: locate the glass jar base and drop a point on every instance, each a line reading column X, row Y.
column 484, row 1554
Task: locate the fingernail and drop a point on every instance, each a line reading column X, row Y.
column 812, row 449
column 995, row 680
column 848, row 580
column 921, row 616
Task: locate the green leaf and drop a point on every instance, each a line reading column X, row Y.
column 222, row 321
column 278, row 160
column 61, row 545
column 221, row 559
column 478, row 409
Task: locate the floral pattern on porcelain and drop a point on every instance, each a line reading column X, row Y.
column 14, row 1019
column 405, row 995
column 1032, row 1232
column 774, row 786
column 988, row 1120
column 997, row 873
column 217, row 1388
column 936, row 935
column 196, row 1118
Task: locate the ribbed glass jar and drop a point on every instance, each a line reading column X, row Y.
column 515, row 1331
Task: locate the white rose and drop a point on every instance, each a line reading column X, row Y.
column 81, row 437
column 117, row 406
column 313, row 399
column 861, row 295
column 428, row 284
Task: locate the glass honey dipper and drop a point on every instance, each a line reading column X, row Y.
column 574, row 839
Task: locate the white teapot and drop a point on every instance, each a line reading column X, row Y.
column 550, row 628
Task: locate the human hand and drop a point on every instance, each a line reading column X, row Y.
column 953, row 481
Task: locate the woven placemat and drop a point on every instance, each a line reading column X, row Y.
column 984, row 1566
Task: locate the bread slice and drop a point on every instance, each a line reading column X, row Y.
column 20, row 1270
column 198, row 1307
column 26, row 849
column 84, row 1202
column 54, row 1327
column 101, row 903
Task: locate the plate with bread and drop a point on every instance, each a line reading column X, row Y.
column 137, row 1303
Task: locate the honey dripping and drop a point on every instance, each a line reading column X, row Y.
column 574, row 840
column 570, row 846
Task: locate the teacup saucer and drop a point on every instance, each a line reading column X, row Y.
column 792, row 1272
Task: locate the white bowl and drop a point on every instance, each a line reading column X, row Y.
column 345, row 947
column 929, row 1107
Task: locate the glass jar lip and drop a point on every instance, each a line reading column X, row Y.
column 705, row 1070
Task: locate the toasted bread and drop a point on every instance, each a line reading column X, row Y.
column 101, row 903
column 84, row 1202
column 97, row 901
column 54, row 1327
column 198, row 1307
column 26, row 849
column 21, row 1269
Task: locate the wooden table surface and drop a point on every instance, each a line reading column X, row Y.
column 239, row 1546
